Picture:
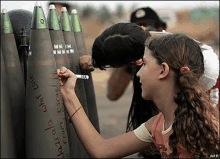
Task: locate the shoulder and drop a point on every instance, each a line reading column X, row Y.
column 151, row 121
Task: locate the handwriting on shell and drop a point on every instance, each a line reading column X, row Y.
column 57, row 141
column 33, row 84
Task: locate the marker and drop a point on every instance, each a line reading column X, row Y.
column 82, row 76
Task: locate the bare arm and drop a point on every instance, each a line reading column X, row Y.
column 96, row 146
column 117, row 83
column 93, row 142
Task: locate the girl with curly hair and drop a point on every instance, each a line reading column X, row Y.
column 186, row 126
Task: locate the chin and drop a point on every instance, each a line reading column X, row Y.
column 145, row 96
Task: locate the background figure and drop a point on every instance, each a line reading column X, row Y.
column 121, row 77
column 148, row 18
column 59, row 5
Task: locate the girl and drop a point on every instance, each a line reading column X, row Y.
column 119, row 46
column 185, row 127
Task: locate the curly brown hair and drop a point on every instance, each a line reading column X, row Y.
column 193, row 125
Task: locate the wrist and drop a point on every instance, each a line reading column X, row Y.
column 71, row 103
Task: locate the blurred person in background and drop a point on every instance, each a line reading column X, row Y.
column 121, row 77
column 59, row 5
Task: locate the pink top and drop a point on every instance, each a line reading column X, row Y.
column 161, row 138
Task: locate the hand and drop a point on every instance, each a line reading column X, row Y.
column 67, row 81
column 86, row 63
column 145, row 29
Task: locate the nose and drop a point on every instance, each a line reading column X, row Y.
column 138, row 73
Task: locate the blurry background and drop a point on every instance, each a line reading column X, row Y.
column 198, row 19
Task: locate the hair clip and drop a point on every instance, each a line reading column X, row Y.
column 139, row 62
column 184, row 68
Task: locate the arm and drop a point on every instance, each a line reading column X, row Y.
column 93, row 142
column 117, row 83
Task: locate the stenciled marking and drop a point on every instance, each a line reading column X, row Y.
column 60, row 46
column 68, row 46
column 12, row 64
column 56, row 46
column 72, row 51
column 58, row 51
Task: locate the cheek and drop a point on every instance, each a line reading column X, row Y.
column 149, row 84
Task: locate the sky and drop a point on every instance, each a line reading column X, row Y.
column 29, row 5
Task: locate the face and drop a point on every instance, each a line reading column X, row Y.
column 148, row 75
column 58, row 8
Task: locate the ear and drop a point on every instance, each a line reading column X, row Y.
column 165, row 70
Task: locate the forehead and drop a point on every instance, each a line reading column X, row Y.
column 147, row 54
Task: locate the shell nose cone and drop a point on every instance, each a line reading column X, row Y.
column 52, row 6
column 37, row 3
column 74, row 11
column 63, row 9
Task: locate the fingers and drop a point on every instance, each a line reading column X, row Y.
column 142, row 27
column 86, row 63
column 63, row 69
column 61, row 82
column 67, row 79
column 91, row 68
column 63, row 72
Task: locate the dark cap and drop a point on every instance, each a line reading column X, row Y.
column 147, row 15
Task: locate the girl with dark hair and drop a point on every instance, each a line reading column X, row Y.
column 186, row 126
column 119, row 46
